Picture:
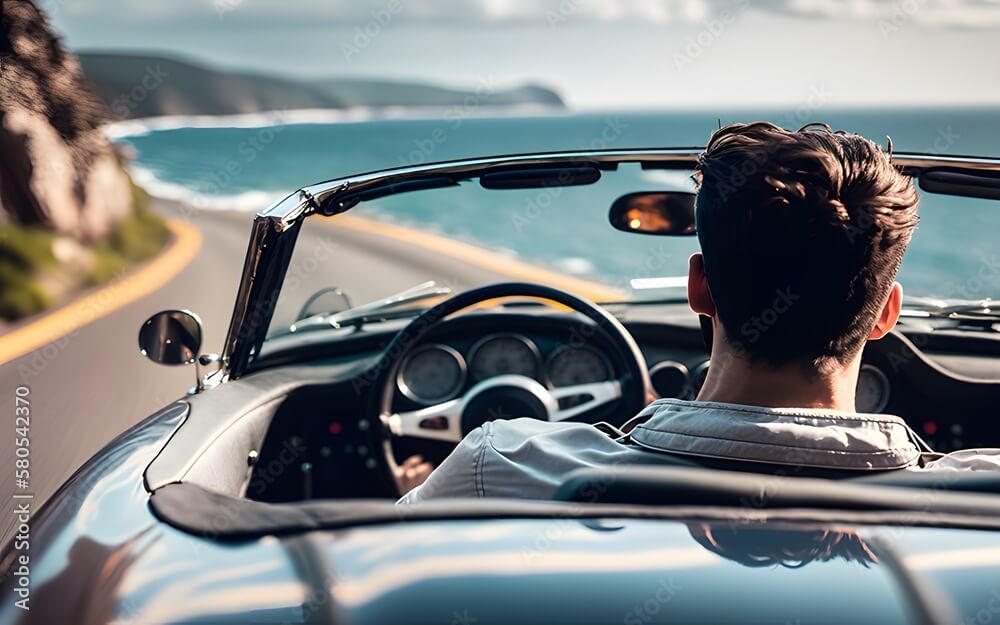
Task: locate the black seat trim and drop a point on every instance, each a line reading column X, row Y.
column 664, row 485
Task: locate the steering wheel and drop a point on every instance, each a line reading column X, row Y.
column 504, row 396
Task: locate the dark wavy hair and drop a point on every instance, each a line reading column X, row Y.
column 802, row 234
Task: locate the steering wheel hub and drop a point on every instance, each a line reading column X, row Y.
column 506, row 397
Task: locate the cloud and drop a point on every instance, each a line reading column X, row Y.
column 490, row 13
column 504, row 12
column 933, row 13
column 943, row 13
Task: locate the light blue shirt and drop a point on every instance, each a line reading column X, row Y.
column 527, row 458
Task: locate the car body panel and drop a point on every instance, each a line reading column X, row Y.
column 132, row 569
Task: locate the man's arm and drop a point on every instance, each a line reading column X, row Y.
column 521, row 458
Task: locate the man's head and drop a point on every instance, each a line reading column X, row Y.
column 801, row 236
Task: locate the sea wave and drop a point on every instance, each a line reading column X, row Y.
column 248, row 201
column 145, row 125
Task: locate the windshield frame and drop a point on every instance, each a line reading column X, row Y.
column 275, row 230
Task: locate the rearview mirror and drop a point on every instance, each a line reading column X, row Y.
column 171, row 337
column 666, row 213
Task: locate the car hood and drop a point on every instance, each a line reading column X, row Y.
column 639, row 571
column 528, row 571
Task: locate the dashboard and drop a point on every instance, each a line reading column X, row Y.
column 437, row 372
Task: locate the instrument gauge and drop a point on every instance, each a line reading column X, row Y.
column 670, row 379
column 568, row 366
column 504, row 354
column 432, row 374
column 872, row 392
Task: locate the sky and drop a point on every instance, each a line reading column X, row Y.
column 598, row 54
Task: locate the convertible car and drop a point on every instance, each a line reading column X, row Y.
column 266, row 493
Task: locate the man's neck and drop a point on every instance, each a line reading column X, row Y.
column 733, row 379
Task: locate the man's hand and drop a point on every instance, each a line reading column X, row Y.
column 412, row 473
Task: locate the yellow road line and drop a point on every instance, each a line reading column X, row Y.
column 104, row 301
column 480, row 257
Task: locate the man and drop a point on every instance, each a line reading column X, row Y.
column 801, row 236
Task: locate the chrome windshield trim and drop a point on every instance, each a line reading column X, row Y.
column 673, row 158
column 284, row 213
column 915, row 163
column 678, row 158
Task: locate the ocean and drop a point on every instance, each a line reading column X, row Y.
column 250, row 161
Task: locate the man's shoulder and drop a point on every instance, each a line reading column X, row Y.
column 515, row 434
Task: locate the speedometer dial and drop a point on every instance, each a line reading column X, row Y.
column 432, row 374
column 577, row 365
column 504, row 354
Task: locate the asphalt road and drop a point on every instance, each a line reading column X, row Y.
column 92, row 384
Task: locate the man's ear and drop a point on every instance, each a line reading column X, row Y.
column 890, row 313
column 699, row 297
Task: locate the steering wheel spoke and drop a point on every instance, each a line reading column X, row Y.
column 594, row 394
column 440, row 422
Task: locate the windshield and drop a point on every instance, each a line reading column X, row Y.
column 466, row 236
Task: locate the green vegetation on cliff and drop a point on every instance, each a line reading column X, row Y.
column 24, row 252
column 28, row 260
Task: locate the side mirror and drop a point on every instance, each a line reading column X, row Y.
column 665, row 213
column 171, row 337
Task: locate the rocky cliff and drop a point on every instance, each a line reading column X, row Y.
column 57, row 170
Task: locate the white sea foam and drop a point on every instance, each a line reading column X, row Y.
column 145, row 125
column 250, row 201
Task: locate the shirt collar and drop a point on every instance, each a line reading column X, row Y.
column 805, row 437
